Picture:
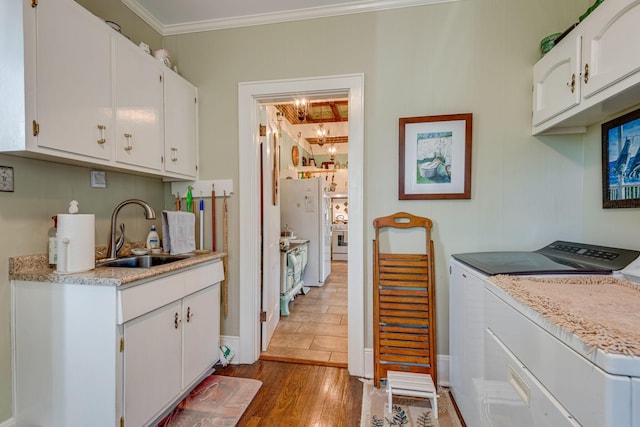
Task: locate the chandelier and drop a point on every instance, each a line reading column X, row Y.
column 332, row 152
column 302, row 107
column 322, row 134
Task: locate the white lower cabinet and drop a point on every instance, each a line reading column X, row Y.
column 100, row 355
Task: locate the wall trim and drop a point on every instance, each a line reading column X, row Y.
column 346, row 8
column 250, row 94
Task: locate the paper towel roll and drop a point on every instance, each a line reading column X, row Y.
column 76, row 243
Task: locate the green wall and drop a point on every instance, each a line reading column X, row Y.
column 468, row 56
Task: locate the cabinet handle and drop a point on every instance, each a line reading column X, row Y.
column 189, row 314
column 176, row 322
column 573, row 83
column 174, row 154
column 586, row 73
column 101, row 140
column 128, row 147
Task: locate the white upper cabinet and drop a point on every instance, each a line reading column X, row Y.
column 139, row 133
column 592, row 74
column 556, row 81
column 89, row 96
column 74, row 110
column 181, row 133
column 611, row 49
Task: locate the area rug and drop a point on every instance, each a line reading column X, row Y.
column 217, row 401
column 407, row 412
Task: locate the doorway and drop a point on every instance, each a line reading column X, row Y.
column 250, row 97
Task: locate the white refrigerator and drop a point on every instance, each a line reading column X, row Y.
column 305, row 207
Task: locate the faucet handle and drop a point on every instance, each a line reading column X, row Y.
column 120, row 241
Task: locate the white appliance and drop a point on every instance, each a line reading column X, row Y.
column 305, row 207
column 340, row 242
column 509, row 366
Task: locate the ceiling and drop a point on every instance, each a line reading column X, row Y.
column 187, row 16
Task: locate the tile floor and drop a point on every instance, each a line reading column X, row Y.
column 316, row 329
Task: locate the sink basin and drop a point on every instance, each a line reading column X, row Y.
column 144, row 261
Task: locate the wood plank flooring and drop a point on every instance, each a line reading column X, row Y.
column 300, row 395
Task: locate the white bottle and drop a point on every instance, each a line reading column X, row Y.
column 153, row 241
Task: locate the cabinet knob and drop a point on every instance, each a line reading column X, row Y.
column 174, row 154
column 189, row 314
column 176, row 321
column 101, row 140
column 573, row 83
column 128, row 147
column 585, row 77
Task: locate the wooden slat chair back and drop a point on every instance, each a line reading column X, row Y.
column 404, row 319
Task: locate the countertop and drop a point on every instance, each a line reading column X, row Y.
column 35, row 268
column 293, row 245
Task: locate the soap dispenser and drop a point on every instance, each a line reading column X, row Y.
column 153, row 240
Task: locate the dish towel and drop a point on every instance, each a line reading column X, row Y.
column 178, row 231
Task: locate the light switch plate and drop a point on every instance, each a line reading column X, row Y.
column 6, row 178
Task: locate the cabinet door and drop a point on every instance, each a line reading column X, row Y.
column 201, row 318
column 556, row 81
column 73, row 55
column 466, row 328
column 611, row 49
column 152, row 361
column 181, row 137
column 138, row 106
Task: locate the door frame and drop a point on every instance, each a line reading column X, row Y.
column 250, row 95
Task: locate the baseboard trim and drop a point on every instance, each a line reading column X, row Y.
column 8, row 423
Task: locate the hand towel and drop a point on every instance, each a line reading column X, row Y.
column 178, row 232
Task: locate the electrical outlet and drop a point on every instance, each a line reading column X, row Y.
column 98, row 179
column 6, row 178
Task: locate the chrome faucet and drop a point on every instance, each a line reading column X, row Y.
column 114, row 246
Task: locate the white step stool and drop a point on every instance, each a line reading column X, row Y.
column 412, row 384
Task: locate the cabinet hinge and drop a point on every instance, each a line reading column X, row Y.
column 121, row 421
column 263, row 130
column 263, row 316
column 121, row 345
column 34, row 3
column 36, row 128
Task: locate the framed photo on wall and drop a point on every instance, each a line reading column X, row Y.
column 435, row 157
column 621, row 162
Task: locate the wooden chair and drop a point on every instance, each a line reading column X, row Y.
column 404, row 318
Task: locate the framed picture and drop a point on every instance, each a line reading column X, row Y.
column 435, row 157
column 621, row 162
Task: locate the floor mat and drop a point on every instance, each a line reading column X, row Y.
column 407, row 412
column 216, row 401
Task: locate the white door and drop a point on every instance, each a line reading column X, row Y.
column 270, row 230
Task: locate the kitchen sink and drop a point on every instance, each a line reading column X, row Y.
column 144, row 261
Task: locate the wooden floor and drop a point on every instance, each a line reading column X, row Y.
column 299, row 395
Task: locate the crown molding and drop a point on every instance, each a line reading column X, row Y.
column 274, row 17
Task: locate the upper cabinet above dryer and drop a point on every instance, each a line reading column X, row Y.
column 593, row 73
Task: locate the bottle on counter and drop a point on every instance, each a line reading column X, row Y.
column 153, row 240
column 53, row 242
